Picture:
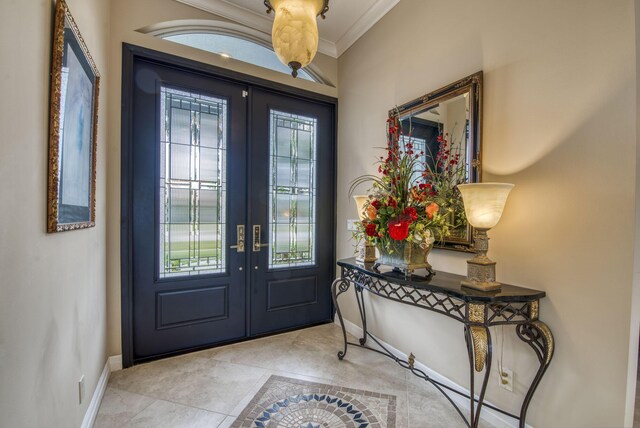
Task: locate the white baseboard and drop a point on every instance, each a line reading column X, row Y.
column 115, row 363
column 491, row 416
column 94, row 406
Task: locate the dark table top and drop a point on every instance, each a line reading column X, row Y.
column 446, row 283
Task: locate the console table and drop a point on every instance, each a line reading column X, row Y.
column 476, row 310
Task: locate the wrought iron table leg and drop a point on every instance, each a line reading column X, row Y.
column 478, row 340
column 363, row 314
column 537, row 335
column 339, row 286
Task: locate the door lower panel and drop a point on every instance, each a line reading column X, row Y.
column 185, row 307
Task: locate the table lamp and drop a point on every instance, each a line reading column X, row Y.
column 483, row 205
column 366, row 250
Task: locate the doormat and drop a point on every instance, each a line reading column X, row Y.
column 283, row 402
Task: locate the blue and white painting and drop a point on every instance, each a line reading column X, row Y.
column 76, row 133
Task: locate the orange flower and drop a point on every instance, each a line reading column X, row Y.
column 417, row 196
column 431, row 209
column 371, row 212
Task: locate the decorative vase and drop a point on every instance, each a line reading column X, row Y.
column 406, row 256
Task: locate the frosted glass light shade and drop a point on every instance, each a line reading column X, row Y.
column 484, row 202
column 295, row 31
column 360, row 201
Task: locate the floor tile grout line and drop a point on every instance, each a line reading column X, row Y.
column 141, row 410
column 274, row 369
column 155, row 399
column 286, row 371
column 196, row 407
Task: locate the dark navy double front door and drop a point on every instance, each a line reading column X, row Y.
column 232, row 210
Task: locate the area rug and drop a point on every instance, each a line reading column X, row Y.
column 283, row 402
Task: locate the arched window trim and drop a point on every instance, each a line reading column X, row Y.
column 192, row 26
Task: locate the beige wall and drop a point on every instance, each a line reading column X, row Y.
column 560, row 123
column 634, row 331
column 126, row 17
column 52, row 286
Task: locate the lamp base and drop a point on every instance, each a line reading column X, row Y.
column 481, row 270
column 481, row 274
column 482, row 286
column 366, row 253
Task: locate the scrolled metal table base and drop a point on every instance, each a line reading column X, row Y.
column 477, row 317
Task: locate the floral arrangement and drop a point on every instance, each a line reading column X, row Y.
column 413, row 200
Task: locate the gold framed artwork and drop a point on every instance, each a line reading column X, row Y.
column 73, row 122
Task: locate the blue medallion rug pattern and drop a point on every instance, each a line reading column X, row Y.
column 283, row 402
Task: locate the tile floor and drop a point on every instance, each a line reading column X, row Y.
column 211, row 388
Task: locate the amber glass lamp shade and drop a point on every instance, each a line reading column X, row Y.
column 484, row 202
column 360, row 201
column 295, row 30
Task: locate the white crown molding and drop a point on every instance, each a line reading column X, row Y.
column 379, row 9
column 233, row 12
column 263, row 22
column 249, row 18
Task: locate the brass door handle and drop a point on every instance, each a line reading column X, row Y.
column 239, row 239
column 256, row 238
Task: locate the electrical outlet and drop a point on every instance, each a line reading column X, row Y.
column 81, row 390
column 352, row 225
column 506, row 379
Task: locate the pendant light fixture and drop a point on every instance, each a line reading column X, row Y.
column 295, row 30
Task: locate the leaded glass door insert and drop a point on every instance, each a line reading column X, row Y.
column 292, row 190
column 192, row 183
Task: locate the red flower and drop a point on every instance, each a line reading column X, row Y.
column 398, row 229
column 392, row 202
column 411, row 212
column 370, row 229
column 376, row 204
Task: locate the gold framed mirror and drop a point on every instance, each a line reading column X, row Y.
column 446, row 125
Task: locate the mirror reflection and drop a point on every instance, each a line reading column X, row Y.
column 444, row 125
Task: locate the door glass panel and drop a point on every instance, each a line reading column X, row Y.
column 418, row 145
column 192, row 183
column 292, row 190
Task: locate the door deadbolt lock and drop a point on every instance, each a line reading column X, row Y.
column 256, row 238
column 239, row 239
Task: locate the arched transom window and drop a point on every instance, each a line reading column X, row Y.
column 238, row 48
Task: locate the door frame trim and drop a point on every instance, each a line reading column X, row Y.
column 130, row 53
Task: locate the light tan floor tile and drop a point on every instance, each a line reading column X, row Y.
column 364, row 369
column 313, row 353
column 257, row 353
column 118, row 407
column 171, row 415
column 198, row 381
column 226, row 423
column 428, row 408
column 212, row 387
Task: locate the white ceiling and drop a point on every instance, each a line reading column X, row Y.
column 346, row 22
